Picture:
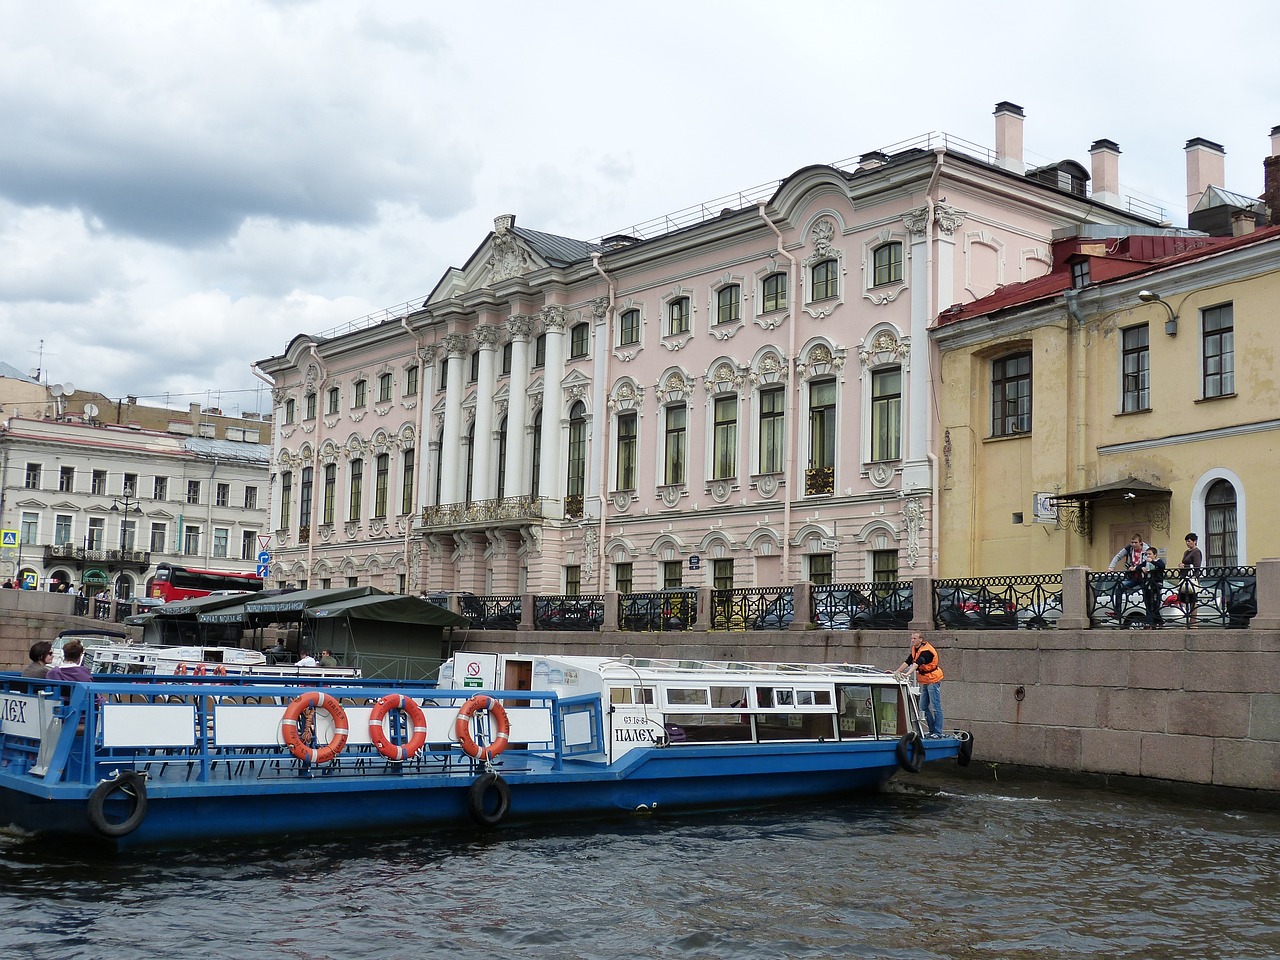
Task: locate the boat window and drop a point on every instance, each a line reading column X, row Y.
column 813, row 698
column 856, row 718
column 687, row 696
column 620, row 695
column 708, row 727
column 728, row 697
column 642, row 695
column 783, row 698
column 795, row 726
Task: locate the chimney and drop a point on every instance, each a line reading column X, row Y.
column 1206, row 167
column 1271, row 179
column 1009, row 117
column 1242, row 223
column 1106, row 172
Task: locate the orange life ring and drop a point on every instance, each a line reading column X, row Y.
column 198, row 670
column 462, row 727
column 393, row 751
column 180, row 670
column 219, row 671
column 289, row 727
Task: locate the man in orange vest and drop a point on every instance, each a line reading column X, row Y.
column 924, row 658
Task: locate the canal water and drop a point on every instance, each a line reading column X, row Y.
column 938, row 866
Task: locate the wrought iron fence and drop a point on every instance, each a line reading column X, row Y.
column 576, row 612
column 483, row 511
column 495, row 613
column 876, row 605
column 1207, row 596
column 752, row 608
column 1028, row 602
column 658, row 611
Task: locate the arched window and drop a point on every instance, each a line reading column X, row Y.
column 576, row 480
column 824, row 276
column 888, row 264
column 773, row 292
column 1220, row 525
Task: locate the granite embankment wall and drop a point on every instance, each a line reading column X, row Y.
column 1195, row 706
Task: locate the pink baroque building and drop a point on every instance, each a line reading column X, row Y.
column 739, row 396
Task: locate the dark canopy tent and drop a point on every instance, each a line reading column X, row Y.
column 179, row 622
column 1124, row 500
column 385, row 635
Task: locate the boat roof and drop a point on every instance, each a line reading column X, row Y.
column 649, row 668
column 393, row 608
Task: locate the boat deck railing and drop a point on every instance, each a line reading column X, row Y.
column 206, row 730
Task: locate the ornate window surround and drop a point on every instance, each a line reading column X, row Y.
column 886, row 292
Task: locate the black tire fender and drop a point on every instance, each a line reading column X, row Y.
column 478, row 799
column 910, row 752
column 966, row 749
column 130, row 784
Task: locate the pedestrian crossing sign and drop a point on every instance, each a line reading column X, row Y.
column 8, row 538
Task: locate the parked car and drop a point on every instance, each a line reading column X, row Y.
column 777, row 614
column 568, row 613
column 974, row 608
column 674, row 609
column 891, row 607
column 1043, row 615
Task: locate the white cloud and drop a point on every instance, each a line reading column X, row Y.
column 186, row 187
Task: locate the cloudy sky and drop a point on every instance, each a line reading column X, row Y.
column 186, row 186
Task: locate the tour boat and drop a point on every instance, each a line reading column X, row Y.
column 169, row 760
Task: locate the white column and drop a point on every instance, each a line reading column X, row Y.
column 518, row 407
column 552, row 480
column 455, row 346
column 426, row 431
column 485, row 478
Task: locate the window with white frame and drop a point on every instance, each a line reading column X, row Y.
column 335, row 401
column 385, row 382
column 61, row 529
column 822, row 424
column 251, row 498
column 1218, row 351
column 1136, row 362
column 193, row 491
column 627, row 441
column 222, row 494
column 678, row 316
column 191, row 541
column 672, row 574
column 30, row 531
column 359, row 395
column 97, row 534
column 772, row 428
column 221, row 541
column 406, row 481
column 290, row 410
column 248, row 544
column 824, row 280
column 310, row 402
column 411, row 380
column 821, row 568
column 579, row 340
column 729, row 303
column 887, row 264
column 354, row 500
column 886, row 413
column 724, row 456
column 330, row 493
column 67, row 479
column 629, row 328
column 159, row 537
column 381, row 482
column 673, row 466
column 773, row 292
column 98, row 483
column 286, row 498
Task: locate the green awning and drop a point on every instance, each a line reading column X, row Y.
column 192, row 606
column 388, row 608
column 299, row 600
column 231, row 614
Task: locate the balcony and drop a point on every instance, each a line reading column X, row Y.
column 80, row 556
column 819, row 480
column 507, row 512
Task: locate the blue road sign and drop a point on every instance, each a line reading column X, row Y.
column 263, row 570
column 264, row 557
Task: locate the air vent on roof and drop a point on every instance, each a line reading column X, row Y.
column 619, row 240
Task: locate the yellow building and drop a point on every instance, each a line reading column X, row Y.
column 1135, row 388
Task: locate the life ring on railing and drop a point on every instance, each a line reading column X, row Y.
column 392, row 751
column 911, row 752
column 199, row 670
column 180, row 670
column 132, row 785
column 219, row 671
column 289, row 727
column 478, row 803
column 463, row 727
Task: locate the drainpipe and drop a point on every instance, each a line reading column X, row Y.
column 939, row 153
column 601, row 579
column 1076, row 334
column 421, row 445
column 315, row 472
column 794, row 438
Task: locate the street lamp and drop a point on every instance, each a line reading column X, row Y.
column 128, row 505
column 1170, row 325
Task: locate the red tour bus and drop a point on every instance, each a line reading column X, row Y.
column 172, row 582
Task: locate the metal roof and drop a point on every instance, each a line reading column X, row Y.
column 211, row 449
column 558, row 251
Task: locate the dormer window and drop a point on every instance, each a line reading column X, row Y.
column 1079, row 274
